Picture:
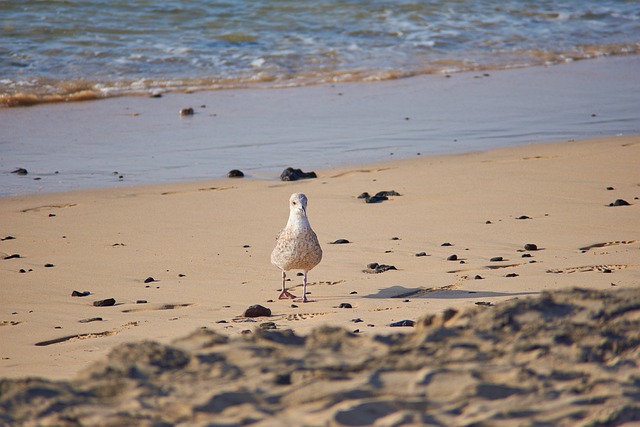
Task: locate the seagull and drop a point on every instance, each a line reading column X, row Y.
column 297, row 246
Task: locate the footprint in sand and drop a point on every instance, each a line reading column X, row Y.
column 79, row 337
column 606, row 244
column 39, row 208
column 304, row 316
column 586, row 268
column 424, row 291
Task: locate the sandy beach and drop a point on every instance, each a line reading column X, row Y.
column 184, row 261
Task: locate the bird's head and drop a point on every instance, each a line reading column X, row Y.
column 298, row 204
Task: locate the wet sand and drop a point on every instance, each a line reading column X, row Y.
column 184, row 261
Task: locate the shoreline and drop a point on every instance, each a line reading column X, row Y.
column 139, row 140
column 207, row 244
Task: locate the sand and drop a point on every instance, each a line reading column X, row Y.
column 523, row 345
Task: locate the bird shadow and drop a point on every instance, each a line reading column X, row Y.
column 403, row 292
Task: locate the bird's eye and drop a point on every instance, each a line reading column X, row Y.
column 294, row 203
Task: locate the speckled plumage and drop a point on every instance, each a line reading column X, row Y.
column 297, row 246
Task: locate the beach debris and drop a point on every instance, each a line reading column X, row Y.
column 257, row 310
column 80, row 294
column 90, row 319
column 523, row 217
column 446, row 244
column 187, row 112
column 20, row 171
column 478, row 277
column 484, row 303
column 345, row 305
column 149, row 280
column 297, row 246
column 375, row 268
column 512, row 275
column 421, row 254
column 380, row 196
column 291, row 174
column 339, row 242
column 235, row 173
column 12, row 256
column 453, row 257
column 49, row 265
column 268, row 325
column 104, row 302
column 610, row 188
column 496, row 259
column 620, row 202
column 526, row 256
column 7, row 238
column 403, row 323
column 357, row 320
column 530, row 247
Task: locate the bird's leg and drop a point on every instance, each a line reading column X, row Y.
column 304, row 288
column 285, row 294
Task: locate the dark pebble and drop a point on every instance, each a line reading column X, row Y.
column 376, row 199
column 291, row 174
column 395, row 238
column 403, row 323
column 52, row 215
column 49, row 265
column 222, row 321
column 523, row 217
column 488, row 222
column 512, row 275
column 357, row 320
column 453, row 257
column 610, row 188
column 446, row 244
column 182, row 275
column 345, row 305
column 80, row 294
column 620, row 202
column 187, row 112
column 530, row 247
column 356, row 331
column 485, row 303
column 496, row 259
column 149, row 279
column 257, row 311
column 104, row 303
column 141, row 301
column 91, row 319
column 294, row 306
column 478, row 277
column 421, row 254
column 353, row 293
column 526, row 255
column 406, row 300
column 22, row 270
column 606, row 270
column 364, row 195
column 283, row 379
column 235, row 173
column 12, row 256
column 340, row 242
column 391, row 193
column 8, row 238
column 373, row 265
column 20, row 171
column 268, row 325
column 379, row 268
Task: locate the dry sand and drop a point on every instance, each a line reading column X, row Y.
column 561, row 358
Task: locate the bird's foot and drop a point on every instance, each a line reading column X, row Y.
column 286, row 295
column 305, row 299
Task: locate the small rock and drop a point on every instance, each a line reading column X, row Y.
column 421, row 254
column 523, row 217
column 526, row 256
column 376, row 268
column 340, row 242
column 610, row 188
column 268, row 325
column 488, row 222
column 20, row 171
column 376, row 199
column 49, row 265
column 485, row 303
column 80, row 294
column 530, row 247
column 294, row 306
column 283, row 379
column 104, row 303
column 91, row 319
column 478, row 277
column 149, row 279
column 620, row 202
column 373, row 265
column 446, row 244
column 353, row 293
column 403, row 323
column 395, row 238
column 12, row 256
column 291, row 174
column 357, row 320
column 22, row 270
column 607, row 270
column 221, row 321
column 453, row 257
column 345, row 305
column 8, row 238
column 496, row 259
column 141, row 301
column 52, row 215
column 257, row 311
column 512, row 275
column 364, row 195
column 356, row 331
column 187, row 112
column 406, row 300
column 391, row 193
column 235, row 173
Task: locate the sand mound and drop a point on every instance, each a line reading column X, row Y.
column 564, row 358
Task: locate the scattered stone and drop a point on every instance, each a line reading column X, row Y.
column 406, row 300
column 485, row 303
column 222, row 321
column 156, row 95
column 104, row 302
column 187, row 112
column 376, row 199
column 526, row 256
column 620, row 202
column 294, row 306
column 283, row 379
column 91, row 319
column 181, row 275
column 395, row 238
column 149, row 279
column 345, row 305
column 20, row 171
column 353, row 293
column 268, row 325
column 49, row 265
column 8, row 238
column 22, row 270
column 488, row 222
column 446, row 244
column 51, row 215
column 12, row 256
column 357, row 320
column 512, row 275
column 610, row 188
column 257, row 311
column 403, row 323
column 380, row 196
column 453, row 257
column 340, row 242
column 235, row 173
column 530, row 247
column 141, row 301
column 478, row 277
column 607, row 270
column 80, row 294
column 376, row 268
column 364, row 195
column 421, row 254
column 523, row 217
column 291, row 174
column 356, row 331
column 496, row 259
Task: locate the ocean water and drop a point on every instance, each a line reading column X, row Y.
column 61, row 50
